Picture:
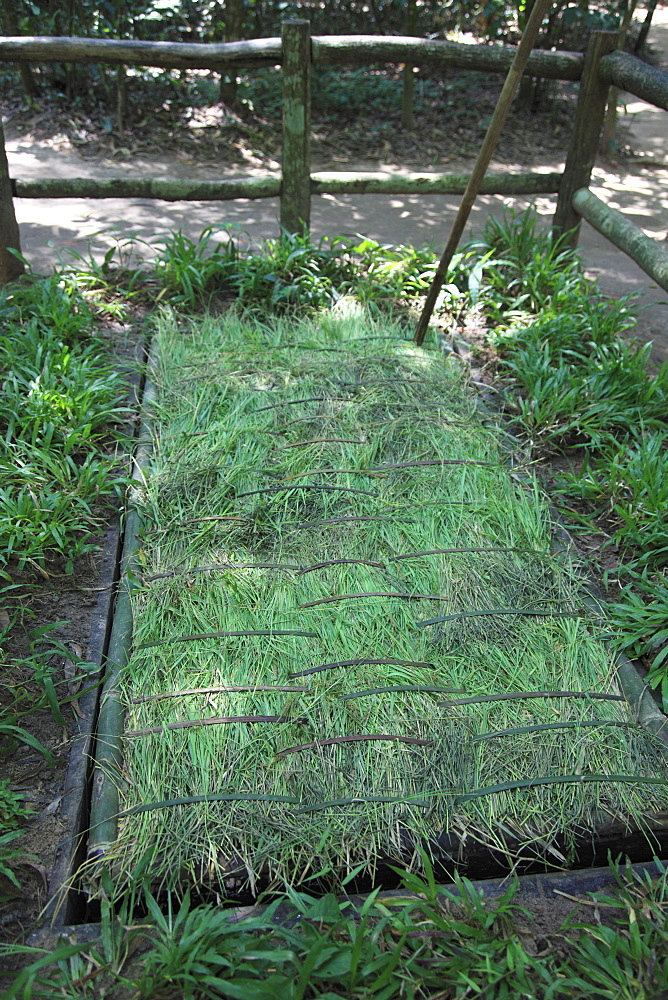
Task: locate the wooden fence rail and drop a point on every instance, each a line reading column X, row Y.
column 326, row 50
column 297, row 51
column 624, row 234
column 269, row 186
column 628, row 73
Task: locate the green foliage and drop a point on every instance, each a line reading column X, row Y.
column 192, row 270
column 40, row 665
column 582, row 395
column 12, row 808
column 438, row 942
column 528, row 270
column 630, row 477
column 388, row 274
column 576, row 382
column 58, row 410
column 626, row 959
column 292, row 274
column 641, row 615
column 48, row 305
column 12, row 811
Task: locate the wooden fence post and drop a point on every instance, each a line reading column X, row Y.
column 589, row 116
column 295, row 213
column 10, row 266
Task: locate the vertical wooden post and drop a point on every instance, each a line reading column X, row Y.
column 295, row 214
column 10, row 266
column 589, row 115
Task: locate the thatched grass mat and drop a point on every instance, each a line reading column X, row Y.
column 350, row 633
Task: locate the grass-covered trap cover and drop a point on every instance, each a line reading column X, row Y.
column 350, row 634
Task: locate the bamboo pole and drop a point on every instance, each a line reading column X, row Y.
column 485, row 155
column 108, row 751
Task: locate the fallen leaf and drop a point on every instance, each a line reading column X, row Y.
column 50, row 809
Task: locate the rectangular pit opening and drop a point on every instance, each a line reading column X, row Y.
column 351, row 638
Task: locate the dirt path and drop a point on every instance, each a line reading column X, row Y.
column 640, row 189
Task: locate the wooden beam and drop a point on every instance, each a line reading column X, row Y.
column 159, row 188
column 376, row 182
column 624, row 234
column 10, row 266
column 327, row 50
column 639, row 78
column 362, row 50
column 220, row 56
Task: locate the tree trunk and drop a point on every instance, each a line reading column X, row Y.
column 10, row 266
column 10, row 24
column 234, row 26
column 408, row 94
column 644, row 31
column 610, row 124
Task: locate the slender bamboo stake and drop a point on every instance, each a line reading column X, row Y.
column 484, row 157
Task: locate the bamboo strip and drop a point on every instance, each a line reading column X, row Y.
column 221, row 720
column 358, row 663
column 220, row 635
column 335, row 740
column 521, row 695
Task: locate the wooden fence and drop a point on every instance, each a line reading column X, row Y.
column 297, row 51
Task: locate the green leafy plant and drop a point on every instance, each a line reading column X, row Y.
column 190, row 271
column 625, row 958
column 60, row 410
column 575, row 382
